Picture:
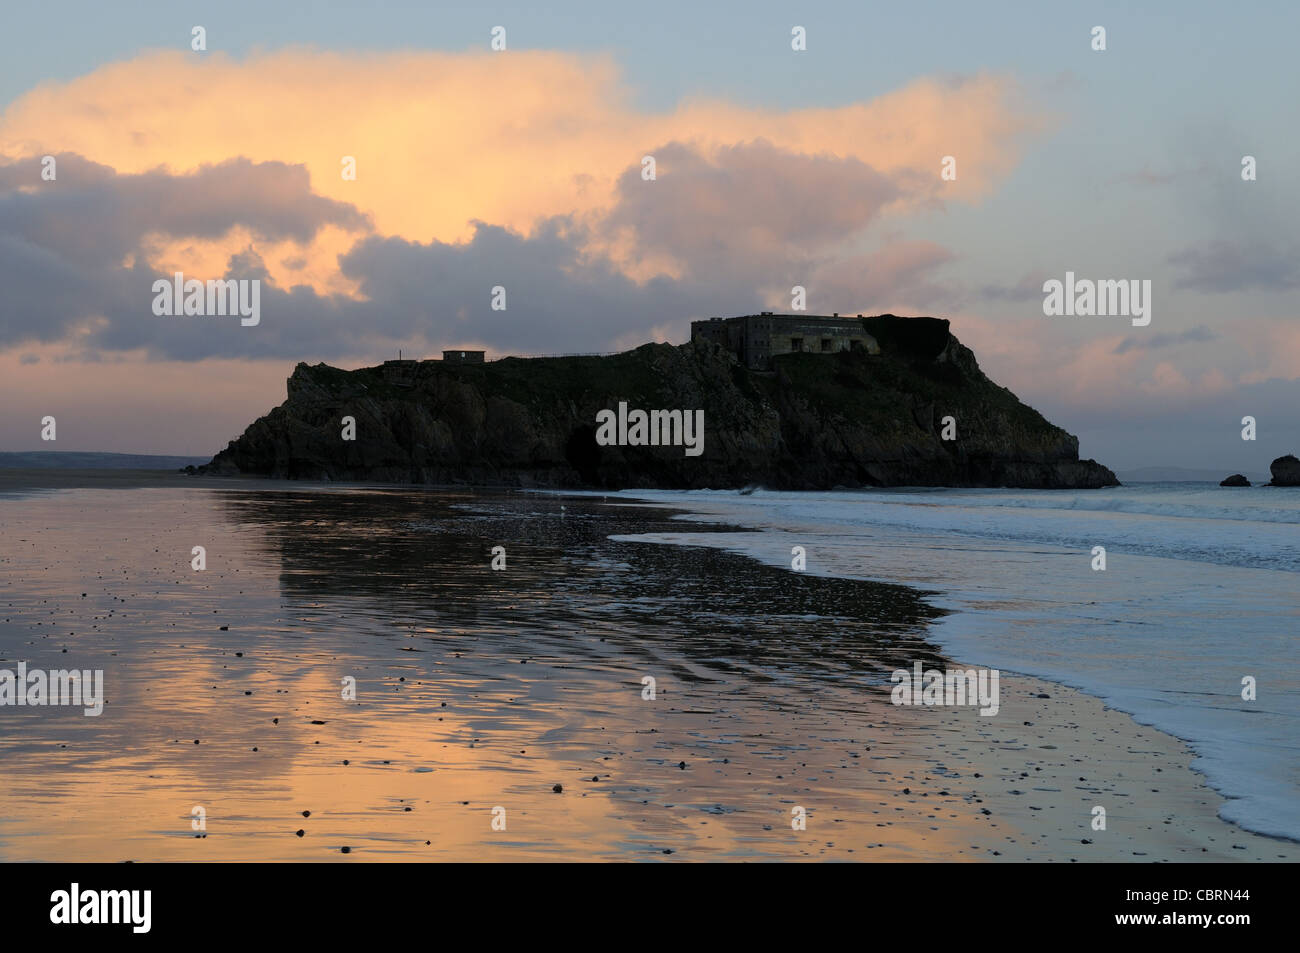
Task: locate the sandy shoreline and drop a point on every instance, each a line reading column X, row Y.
column 489, row 696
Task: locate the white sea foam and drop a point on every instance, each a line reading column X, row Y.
column 1199, row 591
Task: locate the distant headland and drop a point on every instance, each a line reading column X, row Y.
column 798, row 402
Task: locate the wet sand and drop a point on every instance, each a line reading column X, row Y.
column 480, row 690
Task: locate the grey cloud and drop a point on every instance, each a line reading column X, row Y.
column 1028, row 288
column 747, row 208
column 62, row 243
column 90, row 216
column 1156, row 341
column 1222, row 266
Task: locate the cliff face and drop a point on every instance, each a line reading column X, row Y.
column 814, row 422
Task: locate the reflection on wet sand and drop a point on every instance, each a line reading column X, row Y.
column 476, row 688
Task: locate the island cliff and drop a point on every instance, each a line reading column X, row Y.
column 814, row 421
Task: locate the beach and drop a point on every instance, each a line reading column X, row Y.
column 770, row 733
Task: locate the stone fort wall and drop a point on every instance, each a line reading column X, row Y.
column 757, row 338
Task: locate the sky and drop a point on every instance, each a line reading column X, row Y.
column 522, row 168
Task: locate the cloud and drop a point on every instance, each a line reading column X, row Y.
column 442, row 140
column 1222, row 266
column 72, row 250
column 749, row 206
column 1154, row 341
column 473, row 170
column 1146, row 177
column 1028, row 288
column 897, row 278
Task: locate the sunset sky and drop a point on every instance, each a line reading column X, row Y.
column 522, row 168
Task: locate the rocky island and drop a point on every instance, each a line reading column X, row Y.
column 1285, row 471
column 901, row 403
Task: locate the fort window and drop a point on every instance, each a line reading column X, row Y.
column 796, row 344
column 826, row 344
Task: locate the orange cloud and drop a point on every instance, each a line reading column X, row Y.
column 442, row 140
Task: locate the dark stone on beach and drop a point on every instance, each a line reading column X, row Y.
column 301, row 832
column 345, row 850
column 1236, row 479
column 682, row 765
column 225, row 628
column 306, row 813
column 558, row 789
column 1286, row 471
column 318, row 722
column 812, row 422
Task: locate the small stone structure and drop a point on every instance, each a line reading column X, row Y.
column 463, row 357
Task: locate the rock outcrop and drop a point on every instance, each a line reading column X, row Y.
column 1285, row 470
column 1236, row 479
column 815, row 421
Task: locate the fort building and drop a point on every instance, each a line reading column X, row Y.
column 757, row 338
column 463, row 357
